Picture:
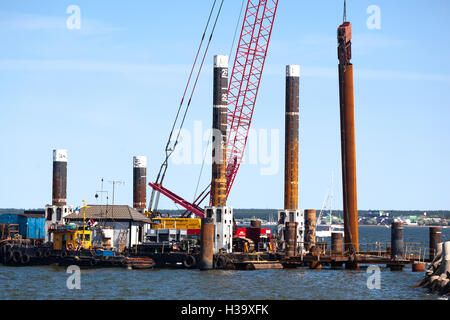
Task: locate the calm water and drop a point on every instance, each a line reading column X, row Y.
column 49, row 282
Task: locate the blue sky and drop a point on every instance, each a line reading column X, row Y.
column 110, row 91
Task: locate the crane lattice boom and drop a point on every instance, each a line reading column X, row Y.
column 242, row 91
column 246, row 77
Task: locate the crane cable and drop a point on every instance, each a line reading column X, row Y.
column 237, row 26
column 209, row 140
column 169, row 150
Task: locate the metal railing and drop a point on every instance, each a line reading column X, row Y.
column 411, row 251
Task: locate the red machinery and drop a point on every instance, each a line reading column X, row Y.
column 242, row 232
column 242, row 92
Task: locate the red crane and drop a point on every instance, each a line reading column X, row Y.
column 242, row 92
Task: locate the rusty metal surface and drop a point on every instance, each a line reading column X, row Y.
column 435, row 238
column 348, row 154
column 337, row 243
column 255, row 223
column 310, row 229
column 139, row 188
column 59, row 189
column 291, row 238
column 397, row 241
column 315, row 265
column 254, row 234
column 291, row 143
column 418, row 267
column 219, row 140
column 262, row 265
column 348, row 149
column 207, row 244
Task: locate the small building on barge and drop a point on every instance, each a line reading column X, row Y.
column 120, row 226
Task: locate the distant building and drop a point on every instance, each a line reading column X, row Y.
column 127, row 225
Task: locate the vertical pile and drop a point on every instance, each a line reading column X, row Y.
column 348, row 150
column 59, row 190
column 291, row 138
column 219, row 152
column 139, row 182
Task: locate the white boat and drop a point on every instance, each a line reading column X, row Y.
column 325, row 230
column 271, row 221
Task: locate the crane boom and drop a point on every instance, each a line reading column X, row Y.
column 246, row 77
column 242, row 91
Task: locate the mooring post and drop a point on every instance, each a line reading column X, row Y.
column 435, row 238
column 397, row 242
column 337, row 243
column 254, row 232
column 207, row 244
column 397, row 245
column 291, row 243
column 310, row 229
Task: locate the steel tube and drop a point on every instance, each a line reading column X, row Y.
column 206, row 244
column 348, row 149
column 139, row 182
column 310, row 229
column 337, row 243
column 291, row 238
column 348, row 154
column 435, row 238
column 291, row 137
column 254, row 232
column 219, row 140
column 397, row 241
column 59, row 188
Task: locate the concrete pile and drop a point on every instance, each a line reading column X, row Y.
column 437, row 278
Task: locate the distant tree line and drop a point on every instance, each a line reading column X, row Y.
column 266, row 214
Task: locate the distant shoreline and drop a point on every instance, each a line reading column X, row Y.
column 407, row 226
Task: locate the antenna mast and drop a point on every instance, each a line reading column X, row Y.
column 345, row 11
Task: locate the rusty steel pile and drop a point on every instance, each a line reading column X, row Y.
column 139, row 182
column 348, row 149
column 59, row 177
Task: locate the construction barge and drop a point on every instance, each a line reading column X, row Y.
column 265, row 252
column 207, row 238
